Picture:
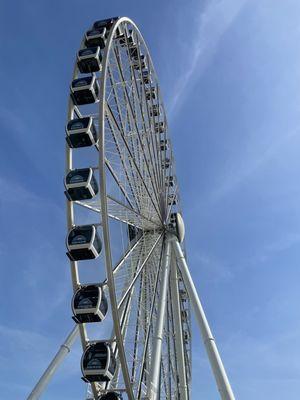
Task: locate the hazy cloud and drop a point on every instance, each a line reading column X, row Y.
column 213, row 22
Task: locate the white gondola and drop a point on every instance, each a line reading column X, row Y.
column 96, row 37
column 85, row 90
column 138, row 61
column 159, row 127
column 89, row 60
column 81, row 132
column 154, row 110
column 179, row 229
column 98, row 363
column 164, row 145
column 105, row 23
column 170, row 181
column 81, row 184
column 111, row 396
column 171, row 200
column 151, row 93
column 83, row 243
column 146, row 76
column 165, row 163
column 89, row 304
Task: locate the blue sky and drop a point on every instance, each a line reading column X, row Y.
column 230, row 73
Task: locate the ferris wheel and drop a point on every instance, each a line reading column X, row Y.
column 125, row 240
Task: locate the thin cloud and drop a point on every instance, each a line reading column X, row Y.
column 213, row 23
column 214, row 269
column 242, row 170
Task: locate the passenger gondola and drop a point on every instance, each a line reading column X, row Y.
column 169, row 181
column 139, row 61
column 89, row 60
column 98, row 363
column 172, row 200
column 81, row 184
column 111, row 396
column 96, row 37
column 85, row 90
column 165, row 163
column 151, row 93
column 89, row 304
column 159, row 127
column 105, row 23
column 164, row 144
column 108, row 23
column 154, row 110
column 146, row 76
column 81, row 132
column 83, row 243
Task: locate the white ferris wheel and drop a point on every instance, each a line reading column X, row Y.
column 125, row 228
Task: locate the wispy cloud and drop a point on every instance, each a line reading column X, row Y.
column 214, row 269
column 245, row 166
column 213, row 22
column 284, row 243
column 281, row 244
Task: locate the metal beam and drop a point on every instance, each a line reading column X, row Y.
column 183, row 391
column 64, row 350
column 208, row 339
column 154, row 377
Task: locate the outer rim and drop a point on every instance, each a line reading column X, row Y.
column 104, row 213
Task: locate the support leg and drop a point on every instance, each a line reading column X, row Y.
column 154, row 381
column 55, row 363
column 183, row 393
column 208, row 339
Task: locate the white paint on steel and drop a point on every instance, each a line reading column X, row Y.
column 104, row 213
column 158, row 336
column 180, row 227
column 208, row 339
column 181, row 369
column 55, row 363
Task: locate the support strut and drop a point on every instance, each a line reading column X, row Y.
column 182, row 387
column 208, row 339
column 64, row 350
column 154, row 378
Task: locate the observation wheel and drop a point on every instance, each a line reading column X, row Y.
column 131, row 282
column 123, row 209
